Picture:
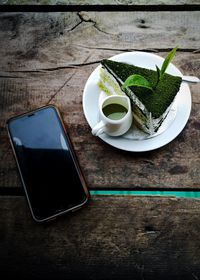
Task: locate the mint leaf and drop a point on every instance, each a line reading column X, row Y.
column 167, row 60
column 158, row 76
column 158, row 72
column 138, row 81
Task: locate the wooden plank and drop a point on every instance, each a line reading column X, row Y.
column 132, row 30
column 111, row 238
column 39, row 41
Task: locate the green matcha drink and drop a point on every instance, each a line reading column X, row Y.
column 114, row 111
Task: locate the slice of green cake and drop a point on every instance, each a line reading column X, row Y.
column 149, row 108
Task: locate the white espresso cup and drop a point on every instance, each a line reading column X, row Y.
column 115, row 116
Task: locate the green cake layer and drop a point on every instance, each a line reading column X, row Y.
column 155, row 102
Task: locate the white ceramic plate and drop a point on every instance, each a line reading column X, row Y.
column 177, row 117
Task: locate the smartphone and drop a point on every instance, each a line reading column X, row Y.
column 50, row 173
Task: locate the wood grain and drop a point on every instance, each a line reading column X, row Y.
column 111, row 238
column 46, row 58
column 47, row 41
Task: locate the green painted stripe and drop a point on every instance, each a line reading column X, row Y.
column 183, row 194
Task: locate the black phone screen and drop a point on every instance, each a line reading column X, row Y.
column 49, row 171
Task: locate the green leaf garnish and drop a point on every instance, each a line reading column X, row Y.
column 158, row 71
column 138, row 81
column 167, row 61
column 158, row 76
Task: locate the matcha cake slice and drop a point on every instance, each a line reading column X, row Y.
column 149, row 108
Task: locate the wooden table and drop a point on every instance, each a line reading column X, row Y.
column 46, row 58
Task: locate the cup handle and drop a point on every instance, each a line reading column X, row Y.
column 98, row 128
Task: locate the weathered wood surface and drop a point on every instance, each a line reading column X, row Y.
column 42, row 40
column 111, row 238
column 47, row 58
column 99, row 2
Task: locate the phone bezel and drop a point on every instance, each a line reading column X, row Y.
column 72, row 152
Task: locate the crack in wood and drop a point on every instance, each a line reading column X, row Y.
column 74, row 72
column 119, row 6
column 156, row 50
column 60, row 88
column 76, row 25
column 43, row 70
column 10, row 77
column 81, row 16
column 76, row 65
column 196, row 51
column 115, row 49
